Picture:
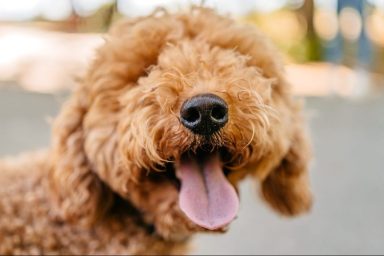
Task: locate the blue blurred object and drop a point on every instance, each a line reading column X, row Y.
column 335, row 49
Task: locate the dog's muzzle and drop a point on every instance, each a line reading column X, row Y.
column 204, row 114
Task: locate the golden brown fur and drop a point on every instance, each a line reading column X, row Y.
column 104, row 185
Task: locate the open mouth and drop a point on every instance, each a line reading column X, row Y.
column 206, row 196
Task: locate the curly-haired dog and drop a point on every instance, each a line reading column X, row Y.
column 174, row 112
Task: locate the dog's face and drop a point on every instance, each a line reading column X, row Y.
column 173, row 113
column 202, row 114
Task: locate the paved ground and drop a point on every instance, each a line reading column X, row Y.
column 347, row 177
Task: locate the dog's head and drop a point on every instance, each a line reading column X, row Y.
column 175, row 110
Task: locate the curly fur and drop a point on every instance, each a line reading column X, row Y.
column 106, row 185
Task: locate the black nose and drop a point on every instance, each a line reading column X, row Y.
column 204, row 114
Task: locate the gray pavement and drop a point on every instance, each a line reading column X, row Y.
column 347, row 177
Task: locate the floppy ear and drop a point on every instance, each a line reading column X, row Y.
column 286, row 188
column 78, row 192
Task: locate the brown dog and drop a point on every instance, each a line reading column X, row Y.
column 173, row 113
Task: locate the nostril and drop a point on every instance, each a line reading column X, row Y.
column 191, row 115
column 219, row 113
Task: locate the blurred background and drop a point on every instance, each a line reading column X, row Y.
column 334, row 52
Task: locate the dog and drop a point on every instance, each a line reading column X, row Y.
column 174, row 112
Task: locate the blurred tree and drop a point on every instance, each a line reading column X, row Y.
column 312, row 41
column 292, row 30
column 100, row 20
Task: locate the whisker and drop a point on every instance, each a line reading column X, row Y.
column 252, row 137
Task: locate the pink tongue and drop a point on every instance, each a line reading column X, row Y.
column 206, row 196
